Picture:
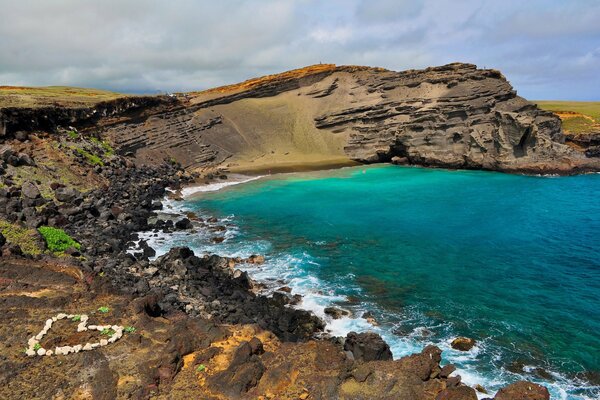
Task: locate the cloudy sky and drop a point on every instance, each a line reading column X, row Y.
column 548, row 49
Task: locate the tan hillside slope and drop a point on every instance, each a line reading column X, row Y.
column 454, row 116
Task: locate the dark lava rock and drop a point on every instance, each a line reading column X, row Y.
column 367, row 346
column 523, row 390
column 463, row 343
column 65, row 194
column 2, row 239
column 30, row 191
column 184, row 223
column 336, row 313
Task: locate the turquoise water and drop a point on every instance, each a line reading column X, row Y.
column 512, row 261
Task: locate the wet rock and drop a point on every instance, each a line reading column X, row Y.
column 463, row 343
column 447, row 370
column 523, row 390
column 336, row 313
column 255, row 259
column 367, row 346
column 183, row 224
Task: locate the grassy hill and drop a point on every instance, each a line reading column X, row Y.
column 18, row 96
column 576, row 116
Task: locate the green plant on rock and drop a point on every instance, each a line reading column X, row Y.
column 76, row 318
column 201, row 368
column 108, row 150
column 26, row 238
column 91, row 158
column 57, row 240
column 37, row 346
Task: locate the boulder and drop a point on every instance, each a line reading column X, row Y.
column 184, row 223
column 65, row 194
column 463, row 343
column 367, row 346
column 30, row 190
column 336, row 313
column 523, row 390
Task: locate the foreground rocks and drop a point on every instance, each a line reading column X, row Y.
column 187, row 326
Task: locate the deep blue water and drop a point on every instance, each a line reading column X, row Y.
column 512, row 261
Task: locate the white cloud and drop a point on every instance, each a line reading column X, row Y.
column 139, row 45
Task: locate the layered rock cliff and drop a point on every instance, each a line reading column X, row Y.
column 454, row 116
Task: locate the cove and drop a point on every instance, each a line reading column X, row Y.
column 512, row 261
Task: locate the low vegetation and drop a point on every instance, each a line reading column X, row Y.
column 18, row 96
column 26, row 238
column 577, row 116
column 57, row 240
column 91, row 158
column 103, row 309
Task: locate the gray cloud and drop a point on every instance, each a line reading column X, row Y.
column 548, row 49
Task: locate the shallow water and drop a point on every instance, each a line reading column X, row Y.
column 512, row 261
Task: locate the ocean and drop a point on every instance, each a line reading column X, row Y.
column 511, row 261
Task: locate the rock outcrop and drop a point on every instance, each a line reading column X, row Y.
column 455, row 116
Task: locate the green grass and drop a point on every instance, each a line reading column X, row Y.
column 91, row 158
column 26, row 238
column 72, row 134
column 57, row 240
column 103, row 309
column 587, row 121
column 108, row 150
column 107, row 331
column 16, row 96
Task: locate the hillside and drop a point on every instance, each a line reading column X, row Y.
column 453, row 116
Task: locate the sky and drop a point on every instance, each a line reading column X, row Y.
column 548, row 49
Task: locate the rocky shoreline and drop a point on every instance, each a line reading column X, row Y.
column 181, row 289
column 194, row 326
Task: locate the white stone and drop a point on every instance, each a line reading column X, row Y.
column 54, row 319
column 49, row 353
column 103, row 342
column 112, row 339
column 30, row 352
column 92, row 327
column 77, row 348
column 81, row 327
column 61, row 316
column 49, row 321
column 70, row 316
column 32, row 342
column 88, row 346
column 95, row 345
column 39, row 336
column 41, row 352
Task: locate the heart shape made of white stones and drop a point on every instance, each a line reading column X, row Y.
column 34, row 348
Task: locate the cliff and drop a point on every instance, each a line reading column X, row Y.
column 454, row 116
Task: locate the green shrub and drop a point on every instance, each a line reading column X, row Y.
column 56, row 239
column 103, row 309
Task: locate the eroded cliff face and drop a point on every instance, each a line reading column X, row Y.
column 454, row 116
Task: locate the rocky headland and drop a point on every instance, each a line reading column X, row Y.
column 195, row 326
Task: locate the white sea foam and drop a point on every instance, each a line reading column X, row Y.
column 212, row 187
column 292, row 270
